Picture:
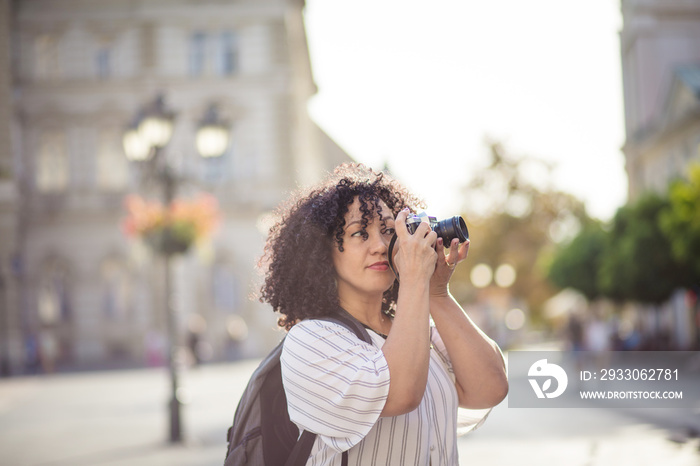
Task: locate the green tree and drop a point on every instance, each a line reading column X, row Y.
column 637, row 263
column 681, row 223
column 576, row 264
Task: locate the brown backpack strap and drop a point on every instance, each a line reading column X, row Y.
column 302, row 449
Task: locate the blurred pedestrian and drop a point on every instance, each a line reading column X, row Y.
column 48, row 350
column 575, row 332
column 393, row 402
column 155, row 348
column 196, row 326
column 598, row 340
column 193, row 346
column 32, row 361
column 575, row 335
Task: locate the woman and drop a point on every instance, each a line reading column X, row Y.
column 394, row 402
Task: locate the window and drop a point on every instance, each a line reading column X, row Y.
column 198, row 53
column 228, row 54
column 103, row 62
column 46, row 59
column 217, row 53
column 112, row 166
column 52, row 163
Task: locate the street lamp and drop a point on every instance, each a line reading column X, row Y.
column 150, row 131
column 135, row 147
column 156, row 126
column 144, row 140
column 212, row 135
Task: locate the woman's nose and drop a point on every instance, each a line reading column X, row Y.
column 379, row 243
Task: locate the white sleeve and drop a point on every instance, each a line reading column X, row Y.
column 336, row 384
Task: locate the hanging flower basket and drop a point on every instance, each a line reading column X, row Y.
column 171, row 230
column 166, row 242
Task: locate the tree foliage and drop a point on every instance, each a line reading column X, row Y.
column 681, row 223
column 637, row 263
column 516, row 217
column 577, row 263
column 649, row 251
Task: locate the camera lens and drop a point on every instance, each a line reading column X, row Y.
column 452, row 228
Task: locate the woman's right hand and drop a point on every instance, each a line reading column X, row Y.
column 415, row 262
column 416, row 257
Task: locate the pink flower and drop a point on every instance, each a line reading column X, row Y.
column 189, row 220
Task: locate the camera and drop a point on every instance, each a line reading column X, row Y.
column 447, row 229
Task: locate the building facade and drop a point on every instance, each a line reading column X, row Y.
column 660, row 51
column 660, row 48
column 8, row 198
column 86, row 295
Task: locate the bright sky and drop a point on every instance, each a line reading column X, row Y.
column 421, row 84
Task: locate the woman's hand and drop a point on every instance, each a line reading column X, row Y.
column 416, row 256
column 415, row 263
column 480, row 374
column 446, row 264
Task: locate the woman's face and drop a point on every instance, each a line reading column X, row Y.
column 362, row 268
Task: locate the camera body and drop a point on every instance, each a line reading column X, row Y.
column 447, row 229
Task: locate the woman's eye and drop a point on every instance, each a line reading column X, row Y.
column 389, row 231
column 357, row 233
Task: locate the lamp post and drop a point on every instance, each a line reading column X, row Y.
column 5, row 324
column 144, row 141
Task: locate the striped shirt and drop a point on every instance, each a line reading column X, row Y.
column 336, row 386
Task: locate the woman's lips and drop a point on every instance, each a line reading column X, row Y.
column 380, row 266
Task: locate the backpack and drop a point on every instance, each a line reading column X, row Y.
column 262, row 433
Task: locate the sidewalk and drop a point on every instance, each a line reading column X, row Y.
column 574, row 437
column 117, row 418
column 120, row 418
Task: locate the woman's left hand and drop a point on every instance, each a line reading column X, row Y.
column 446, row 265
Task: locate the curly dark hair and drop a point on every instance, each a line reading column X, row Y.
column 299, row 277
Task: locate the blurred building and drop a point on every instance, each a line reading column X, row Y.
column 660, row 48
column 80, row 70
column 8, row 196
column 660, row 43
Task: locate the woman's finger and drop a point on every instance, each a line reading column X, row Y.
column 431, row 237
column 422, row 230
column 463, row 250
column 400, row 223
column 441, row 250
column 453, row 255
